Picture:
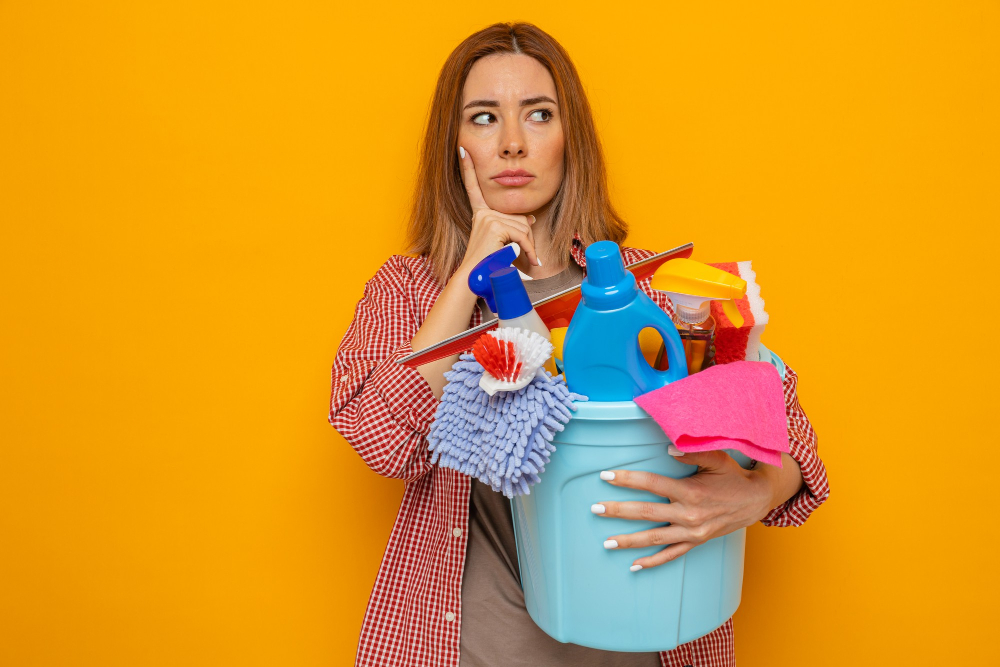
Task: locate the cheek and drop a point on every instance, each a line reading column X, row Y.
column 474, row 144
column 552, row 146
column 554, row 155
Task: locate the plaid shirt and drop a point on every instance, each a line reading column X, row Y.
column 384, row 410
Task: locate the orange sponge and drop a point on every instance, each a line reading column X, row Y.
column 734, row 343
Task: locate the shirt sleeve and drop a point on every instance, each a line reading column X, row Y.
column 803, row 447
column 646, row 284
column 383, row 409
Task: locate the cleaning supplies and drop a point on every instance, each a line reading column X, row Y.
column 740, row 342
column 602, row 355
column 559, row 546
column 514, row 307
column 479, row 277
column 503, row 440
column 737, row 406
column 555, row 310
column 511, row 357
column 692, row 286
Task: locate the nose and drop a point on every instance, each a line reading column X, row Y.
column 512, row 141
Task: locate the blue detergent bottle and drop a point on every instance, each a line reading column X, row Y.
column 602, row 356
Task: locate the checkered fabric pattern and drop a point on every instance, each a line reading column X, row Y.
column 384, row 410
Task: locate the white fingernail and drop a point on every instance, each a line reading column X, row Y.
column 673, row 451
column 461, row 151
column 607, row 475
column 539, row 261
column 597, row 508
column 610, row 544
column 635, row 568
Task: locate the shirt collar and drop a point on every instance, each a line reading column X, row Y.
column 577, row 251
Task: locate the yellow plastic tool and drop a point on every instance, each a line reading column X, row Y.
column 691, row 284
column 558, row 338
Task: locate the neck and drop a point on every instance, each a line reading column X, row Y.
column 553, row 261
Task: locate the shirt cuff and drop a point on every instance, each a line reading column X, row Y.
column 815, row 491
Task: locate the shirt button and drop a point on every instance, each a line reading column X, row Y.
column 457, row 532
column 449, row 617
column 344, row 378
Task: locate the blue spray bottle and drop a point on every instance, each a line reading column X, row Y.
column 602, row 356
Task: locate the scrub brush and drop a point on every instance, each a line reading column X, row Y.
column 511, row 357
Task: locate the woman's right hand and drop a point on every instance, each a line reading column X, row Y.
column 492, row 230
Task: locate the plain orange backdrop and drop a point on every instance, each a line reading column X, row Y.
column 192, row 195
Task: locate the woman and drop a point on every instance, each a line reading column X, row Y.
column 510, row 155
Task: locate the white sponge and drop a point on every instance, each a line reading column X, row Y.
column 756, row 308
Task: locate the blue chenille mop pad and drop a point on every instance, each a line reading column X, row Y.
column 503, row 440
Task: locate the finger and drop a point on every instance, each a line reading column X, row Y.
column 707, row 461
column 657, row 512
column 520, row 233
column 667, row 487
column 660, row 536
column 662, row 556
column 531, row 235
column 524, row 221
column 471, row 182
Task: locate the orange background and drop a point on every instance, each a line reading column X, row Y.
column 192, row 195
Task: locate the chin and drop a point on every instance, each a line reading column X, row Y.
column 515, row 203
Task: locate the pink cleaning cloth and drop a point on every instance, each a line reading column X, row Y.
column 740, row 405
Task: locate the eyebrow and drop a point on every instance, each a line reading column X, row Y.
column 523, row 103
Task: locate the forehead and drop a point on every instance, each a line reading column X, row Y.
column 508, row 77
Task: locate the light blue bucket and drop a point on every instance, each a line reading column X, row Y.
column 576, row 590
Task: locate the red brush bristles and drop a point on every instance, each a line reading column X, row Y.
column 499, row 358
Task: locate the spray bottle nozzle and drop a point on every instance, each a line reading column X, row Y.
column 691, row 285
column 479, row 278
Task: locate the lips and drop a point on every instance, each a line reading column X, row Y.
column 514, row 177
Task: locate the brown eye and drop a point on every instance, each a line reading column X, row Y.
column 546, row 112
column 478, row 119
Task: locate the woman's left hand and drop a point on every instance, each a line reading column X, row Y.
column 720, row 498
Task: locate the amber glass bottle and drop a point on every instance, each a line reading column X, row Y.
column 697, row 329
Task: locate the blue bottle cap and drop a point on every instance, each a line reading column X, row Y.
column 509, row 293
column 608, row 285
column 605, row 266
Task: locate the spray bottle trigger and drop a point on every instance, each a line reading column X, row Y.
column 733, row 313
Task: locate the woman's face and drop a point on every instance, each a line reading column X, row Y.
column 511, row 123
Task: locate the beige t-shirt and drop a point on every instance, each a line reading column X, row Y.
column 496, row 628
